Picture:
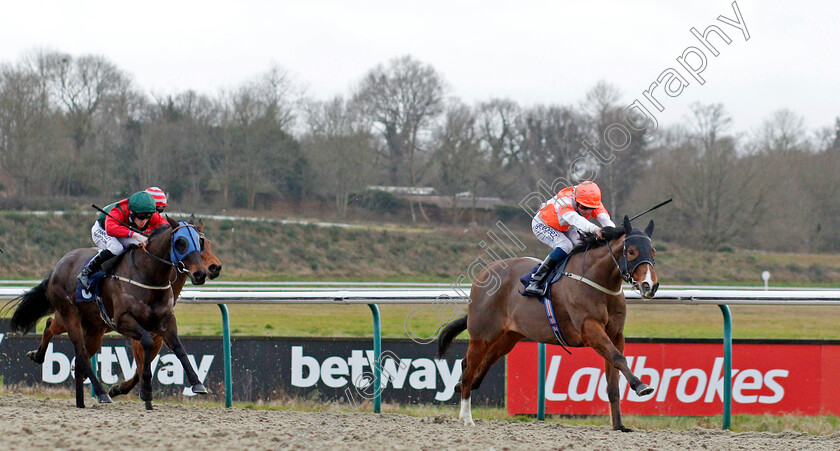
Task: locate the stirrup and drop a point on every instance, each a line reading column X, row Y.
column 535, row 291
column 84, row 280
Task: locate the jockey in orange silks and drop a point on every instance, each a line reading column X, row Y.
column 559, row 222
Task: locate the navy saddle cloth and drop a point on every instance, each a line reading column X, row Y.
column 552, row 277
column 83, row 295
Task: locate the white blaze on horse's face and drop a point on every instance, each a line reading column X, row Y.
column 648, row 286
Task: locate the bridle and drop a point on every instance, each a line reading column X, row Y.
column 178, row 264
column 179, row 267
column 623, row 263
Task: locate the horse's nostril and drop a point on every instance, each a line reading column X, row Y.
column 645, row 286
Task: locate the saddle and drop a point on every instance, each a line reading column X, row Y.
column 95, row 291
column 552, row 277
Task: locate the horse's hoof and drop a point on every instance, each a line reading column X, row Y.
column 199, row 389
column 644, row 389
column 114, row 391
column 469, row 422
column 105, row 399
column 80, row 406
column 623, row 429
column 33, row 355
column 149, row 405
column 146, row 396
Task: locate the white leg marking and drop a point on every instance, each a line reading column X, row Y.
column 466, row 413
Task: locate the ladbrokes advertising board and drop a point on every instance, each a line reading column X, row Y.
column 801, row 379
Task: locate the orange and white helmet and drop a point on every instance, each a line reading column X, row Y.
column 159, row 196
column 588, row 194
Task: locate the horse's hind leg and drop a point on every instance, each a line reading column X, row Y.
column 54, row 327
column 499, row 348
column 92, row 343
column 170, row 337
column 83, row 368
column 475, row 357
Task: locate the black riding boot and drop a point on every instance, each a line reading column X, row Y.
column 92, row 266
column 548, row 265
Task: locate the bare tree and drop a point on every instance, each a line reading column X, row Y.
column 783, row 133
column 266, row 160
column 402, row 98
column 30, row 142
column 339, row 144
column 458, row 157
column 501, row 143
column 718, row 195
column 622, row 151
column 551, row 139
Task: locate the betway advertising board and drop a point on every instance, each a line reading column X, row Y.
column 774, row 378
column 264, row 368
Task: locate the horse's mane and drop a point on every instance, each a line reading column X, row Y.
column 112, row 263
column 590, row 241
column 160, row 230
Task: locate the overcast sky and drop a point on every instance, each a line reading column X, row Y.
column 532, row 52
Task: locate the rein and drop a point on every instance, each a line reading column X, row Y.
column 179, row 267
column 624, row 275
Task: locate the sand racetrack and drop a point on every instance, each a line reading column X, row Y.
column 36, row 423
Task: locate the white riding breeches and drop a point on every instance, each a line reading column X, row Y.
column 105, row 241
column 555, row 238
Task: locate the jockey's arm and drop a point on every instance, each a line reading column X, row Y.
column 573, row 218
column 604, row 220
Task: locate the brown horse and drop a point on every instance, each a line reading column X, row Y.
column 138, row 297
column 589, row 312
column 55, row 326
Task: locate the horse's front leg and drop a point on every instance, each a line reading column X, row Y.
column 169, row 333
column 139, row 359
column 129, row 327
column 614, row 395
column 595, row 337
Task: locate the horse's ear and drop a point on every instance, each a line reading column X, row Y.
column 192, row 219
column 649, row 229
column 200, row 225
column 172, row 222
column 627, row 227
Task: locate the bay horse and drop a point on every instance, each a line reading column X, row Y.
column 589, row 312
column 137, row 300
column 55, row 326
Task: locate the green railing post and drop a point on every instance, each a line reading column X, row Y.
column 727, row 365
column 541, row 389
column 226, row 346
column 377, row 356
column 95, row 373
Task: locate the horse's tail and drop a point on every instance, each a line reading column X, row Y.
column 33, row 306
column 449, row 333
